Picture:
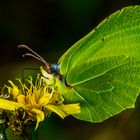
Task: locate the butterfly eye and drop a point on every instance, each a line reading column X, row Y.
column 55, row 68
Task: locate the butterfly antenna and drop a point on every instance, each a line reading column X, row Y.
column 35, row 55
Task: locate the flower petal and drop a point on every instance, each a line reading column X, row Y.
column 57, row 110
column 71, row 108
column 21, row 99
column 8, row 105
column 14, row 91
column 44, row 100
column 64, row 110
column 39, row 116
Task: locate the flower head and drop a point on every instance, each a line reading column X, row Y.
column 34, row 100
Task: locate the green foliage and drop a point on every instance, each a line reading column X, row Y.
column 103, row 68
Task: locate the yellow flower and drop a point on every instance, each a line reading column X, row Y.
column 37, row 100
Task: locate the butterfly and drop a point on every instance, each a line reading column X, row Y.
column 102, row 70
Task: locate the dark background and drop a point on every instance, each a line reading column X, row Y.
column 50, row 27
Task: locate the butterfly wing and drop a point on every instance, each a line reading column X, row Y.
column 103, row 68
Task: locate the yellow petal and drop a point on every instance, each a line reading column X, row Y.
column 8, row 105
column 64, row 110
column 14, row 90
column 44, row 100
column 71, row 108
column 57, row 110
column 21, row 100
column 39, row 116
column 32, row 101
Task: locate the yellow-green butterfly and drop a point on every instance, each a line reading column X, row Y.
column 102, row 70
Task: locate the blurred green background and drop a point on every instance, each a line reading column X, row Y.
column 50, row 27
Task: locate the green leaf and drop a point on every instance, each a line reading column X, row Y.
column 102, row 70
